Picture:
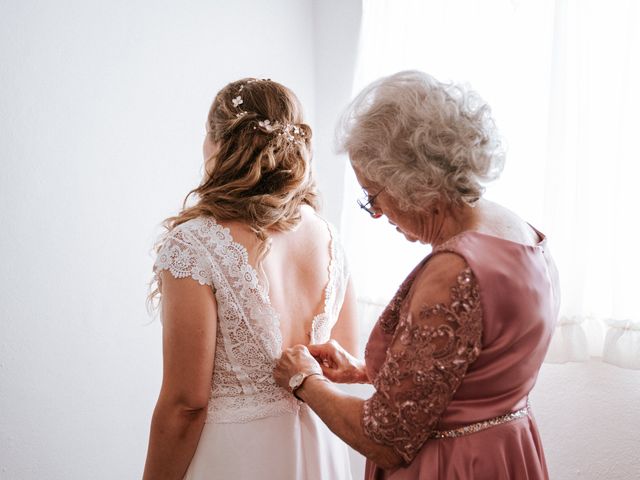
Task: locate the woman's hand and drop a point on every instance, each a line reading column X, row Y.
column 294, row 360
column 337, row 364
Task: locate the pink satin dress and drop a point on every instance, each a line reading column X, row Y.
column 452, row 383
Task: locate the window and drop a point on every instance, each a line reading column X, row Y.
column 562, row 79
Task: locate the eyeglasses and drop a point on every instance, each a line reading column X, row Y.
column 366, row 203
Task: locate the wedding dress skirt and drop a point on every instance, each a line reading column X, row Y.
column 293, row 446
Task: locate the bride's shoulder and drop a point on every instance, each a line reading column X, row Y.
column 314, row 225
column 311, row 217
column 321, row 233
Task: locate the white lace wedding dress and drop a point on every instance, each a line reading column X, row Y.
column 254, row 429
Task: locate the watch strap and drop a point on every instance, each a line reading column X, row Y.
column 302, row 383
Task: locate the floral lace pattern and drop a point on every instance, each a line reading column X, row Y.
column 426, row 361
column 180, row 257
column 248, row 338
column 334, row 291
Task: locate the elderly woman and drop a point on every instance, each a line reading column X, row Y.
column 457, row 350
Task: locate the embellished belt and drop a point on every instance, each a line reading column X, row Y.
column 479, row 426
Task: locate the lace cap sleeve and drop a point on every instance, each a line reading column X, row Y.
column 437, row 337
column 181, row 254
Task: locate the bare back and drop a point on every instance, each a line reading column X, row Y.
column 296, row 270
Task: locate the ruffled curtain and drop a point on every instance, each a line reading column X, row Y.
column 562, row 78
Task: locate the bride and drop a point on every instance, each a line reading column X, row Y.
column 247, row 271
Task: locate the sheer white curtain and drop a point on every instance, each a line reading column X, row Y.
column 563, row 80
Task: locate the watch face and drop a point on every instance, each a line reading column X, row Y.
column 296, row 380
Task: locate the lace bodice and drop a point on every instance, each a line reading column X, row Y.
column 248, row 338
column 428, row 352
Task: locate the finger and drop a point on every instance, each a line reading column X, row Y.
column 325, row 349
column 316, row 350
column 318, row 355
column 331, row 374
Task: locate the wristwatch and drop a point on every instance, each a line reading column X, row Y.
column 298, row 379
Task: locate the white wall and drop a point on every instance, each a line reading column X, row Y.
column 337, row 31
column 588, row 415
column 102, row 115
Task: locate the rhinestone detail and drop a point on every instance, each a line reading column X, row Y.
column 479, row 426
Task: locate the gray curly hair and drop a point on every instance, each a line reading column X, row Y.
column 422, row 140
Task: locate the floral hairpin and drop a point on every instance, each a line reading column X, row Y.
column 286, row 129
column 266, row 124
column 237, row 100
column 289, row 130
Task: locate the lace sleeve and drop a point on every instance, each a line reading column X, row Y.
column 433, row 345
column 183, row 256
